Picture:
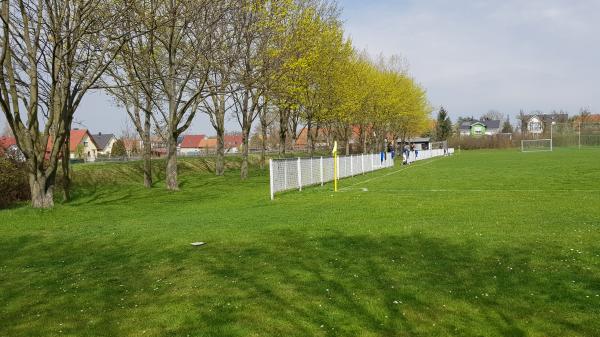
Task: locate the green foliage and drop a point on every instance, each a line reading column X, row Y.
column 118, row 149
column 79, row 151
column 443, row 125
column 466, row 250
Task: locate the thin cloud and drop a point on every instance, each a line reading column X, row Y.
column 473, row 56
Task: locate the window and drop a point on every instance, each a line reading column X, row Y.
column 534, row 126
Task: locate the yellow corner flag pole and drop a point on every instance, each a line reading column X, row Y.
column 335, row 168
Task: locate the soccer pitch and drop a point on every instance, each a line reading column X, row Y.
column 483, row 243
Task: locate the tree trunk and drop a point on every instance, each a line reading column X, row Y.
column 220, row 161
column 263, row 143
column 66, row 174
column 347, row 135
column 244, row 167
column 147, row 159
column 42, row 190
column 172, row 163
column 282, row 133
column 311, row 142
column 363, row 135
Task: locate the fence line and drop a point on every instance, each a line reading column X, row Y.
column 295, row 173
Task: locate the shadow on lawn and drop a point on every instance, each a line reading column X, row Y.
column 408, row 285
column 297, row 285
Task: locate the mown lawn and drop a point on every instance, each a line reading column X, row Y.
column 484, row 243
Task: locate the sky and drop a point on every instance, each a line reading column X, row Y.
column 470, row 56
column 475, row 56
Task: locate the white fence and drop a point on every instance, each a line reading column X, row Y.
column 426, row 154
column 295, row 173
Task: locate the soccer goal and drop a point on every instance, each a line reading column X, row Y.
column 536, row 145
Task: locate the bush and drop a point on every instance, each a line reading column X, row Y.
column 118, row 149
column 13, row 182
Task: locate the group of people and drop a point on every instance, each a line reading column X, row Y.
column 409, row 153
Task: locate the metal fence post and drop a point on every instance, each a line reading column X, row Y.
column 321, row 171
column 285, row 163
column 312, row 179
column 271, row 179
column 299, row 175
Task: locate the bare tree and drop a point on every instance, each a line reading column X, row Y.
column 266, row 117
column 220, row 80
column 184, row 34
column 493, row 115
column 52, row 53
column 253, row 37
column 132, row 83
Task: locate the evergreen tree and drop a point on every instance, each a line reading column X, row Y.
column 118, row 149
column 443, row 128
column 507, row 127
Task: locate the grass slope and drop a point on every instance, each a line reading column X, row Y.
column 485, row 243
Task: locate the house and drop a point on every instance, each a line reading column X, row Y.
column 191, row 144
column 421, row 143
column 475, row 128
column 233, row 143
column 9, row 147
column 104, row 142
column 82, row 145
column 209, row 145
column 538, row 123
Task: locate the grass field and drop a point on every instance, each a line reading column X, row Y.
column 484, row 243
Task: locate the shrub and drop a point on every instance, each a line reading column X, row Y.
column 118, row 149
column 13, row 182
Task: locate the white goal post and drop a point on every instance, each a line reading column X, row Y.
column 536, row 145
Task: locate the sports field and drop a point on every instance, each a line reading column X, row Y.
column 484, row 243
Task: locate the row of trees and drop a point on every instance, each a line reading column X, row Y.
column 273, row 63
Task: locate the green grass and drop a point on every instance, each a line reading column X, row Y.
column 484, row 243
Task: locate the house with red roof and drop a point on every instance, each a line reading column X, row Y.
column 233, row 143
column 191, row 144
column 82, row 145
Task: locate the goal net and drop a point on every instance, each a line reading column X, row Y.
column 536, row 145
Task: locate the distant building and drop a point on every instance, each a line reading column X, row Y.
column 233, row 143
column 537, row 123
column 9, row 148
column 104, row 142
column 479, row 128
column 420, row 143
column 191, row 144
column 82, row 145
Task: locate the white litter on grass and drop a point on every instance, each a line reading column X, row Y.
column 364, row 189
column 198, row 243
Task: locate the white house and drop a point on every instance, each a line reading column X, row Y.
column 104, row 142
column 82, row 145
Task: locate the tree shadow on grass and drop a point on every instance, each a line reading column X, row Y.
column 289, row 283
column 400, row 285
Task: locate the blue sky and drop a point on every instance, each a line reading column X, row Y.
column 473, row 56
column 470, row 56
